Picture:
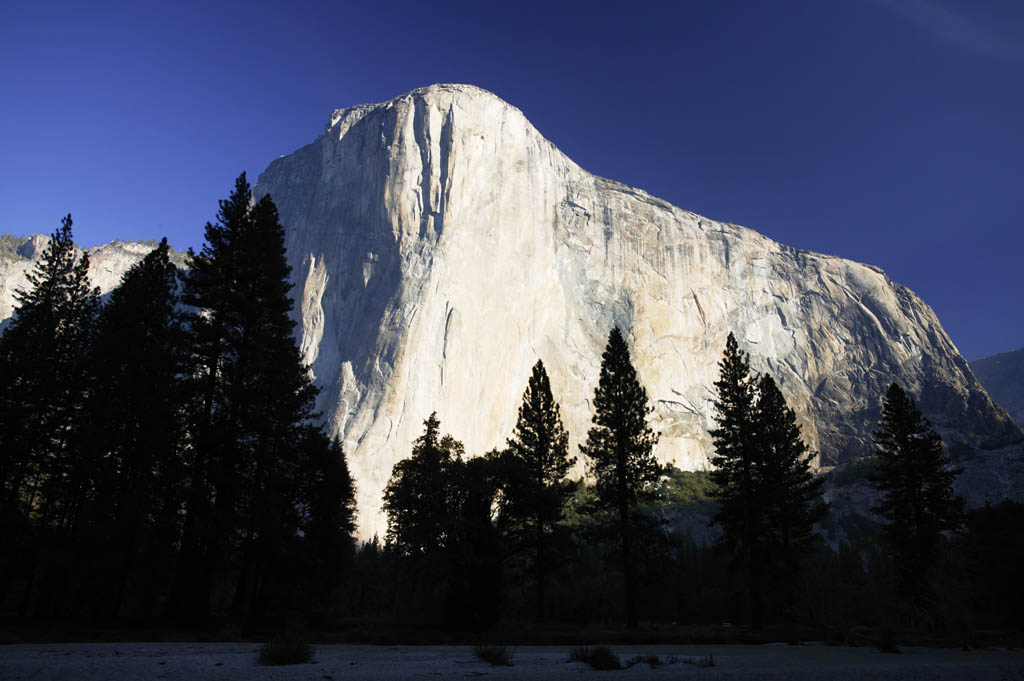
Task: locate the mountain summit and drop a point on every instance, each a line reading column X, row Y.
column 441, row 245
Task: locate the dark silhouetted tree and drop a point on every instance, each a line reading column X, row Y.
column 251, row 399
column 421, row 496
column 915, row 479
column 619, row 448
column 538, row 490
column 424, row 502
column 133, row 434
column 474, row 591
column 43, row 354
column 737, row 475
column 329, row 519
column 994, row 544
column 790, row 493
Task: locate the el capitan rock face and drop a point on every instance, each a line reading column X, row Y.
column 440, row 246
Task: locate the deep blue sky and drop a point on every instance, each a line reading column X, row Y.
column 886, row 131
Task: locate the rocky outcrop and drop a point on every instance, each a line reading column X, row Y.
column 1003, row 378
column 440, row 246
column 107, row 264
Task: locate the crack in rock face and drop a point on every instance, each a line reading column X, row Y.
column 493, row 249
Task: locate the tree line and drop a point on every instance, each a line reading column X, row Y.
column 159, row 456
column 159, row 452
column 458, row 530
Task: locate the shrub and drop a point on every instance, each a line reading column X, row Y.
column 497, row 656
column 652, row 660
column 286, row 651
column 602, row 657
column 702, row 662
column 599, row 657
column 886, row 641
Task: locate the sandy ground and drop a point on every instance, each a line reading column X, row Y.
column 237, row 662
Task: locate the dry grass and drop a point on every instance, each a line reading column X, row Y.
column 497, row 656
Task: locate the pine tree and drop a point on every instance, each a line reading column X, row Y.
column 329, row 521
column 791, row 493
column 737, row 474
column 538, row 491
column 133, row 434
column 620, row 448
column 474, row 586
column 421, row 496
column 425, row 504
column 915, row 480
column 251, row 399
column 43, row 484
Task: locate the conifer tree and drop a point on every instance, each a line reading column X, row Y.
column 474, row 551
column 329, row 521
column 251, row 399
column 421, row 497
column 915, row 479
column 619, row 448
column 425, row 501
column 134, row 430
column 538, row 491
column 791, row 493
column 43, row 484
column 737, row 474
column 768, row 497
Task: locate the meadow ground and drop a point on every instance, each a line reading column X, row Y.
column 337, row 662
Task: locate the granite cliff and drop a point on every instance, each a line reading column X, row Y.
column 440, row 245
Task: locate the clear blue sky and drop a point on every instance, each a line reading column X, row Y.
column 886, row 131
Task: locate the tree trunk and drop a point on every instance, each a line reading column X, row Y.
column 540, row 569
column 756, row 612
column 627, row 567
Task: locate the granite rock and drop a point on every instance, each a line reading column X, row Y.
column 440, row 245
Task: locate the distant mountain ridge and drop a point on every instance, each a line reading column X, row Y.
column 1003, row 377
column 107, row 264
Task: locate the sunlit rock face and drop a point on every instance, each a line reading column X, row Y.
column 440, row 246
column 107, row 264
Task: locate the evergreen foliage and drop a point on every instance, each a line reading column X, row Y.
column 133, row 437
column 538, row 489
column 915, row 479
column 249, row 411
column 735, row 474
column 10, row 244
column 620, row 450
column 327, row 497
column 43, row 354
column 155, row 461
column 791, row 493
column 440, row 527
column 422, row 495
column 472, row 560
column 994, row 546
column 769, row 498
